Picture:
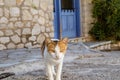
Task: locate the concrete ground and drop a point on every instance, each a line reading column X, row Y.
column 80, row 63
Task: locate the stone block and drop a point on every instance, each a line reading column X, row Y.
column 11, row 25
column 14, row 12
column 24, row 40
column 26, row 31
column 28, row 45
column 32, row 38
column 19, row 24
column 42, row 28
column 43, row 6
column 35, row 18
column 36, row 29
column 11, row 46
column 28, row 24
column 8, row 32
column 4, row 20
column 7, row 12
column 1, row 12
column 28, row 2
column 41, row 13
column 13, row 19
column 26, row 15
column 3, row 26
column 34, row 11
column 16, row 39
column 41, row 20
column 19, row 2
column 18, row 31
column 2, row 47
column 47, row 29
column 20, row 45
column 1, row 33
column 1, row 3
column 10, row 2
column 36, row 3
column 4, row 40
column 51, row 34
column 40, row 38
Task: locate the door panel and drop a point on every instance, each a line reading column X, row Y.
column 65, row 23
column 68, row 18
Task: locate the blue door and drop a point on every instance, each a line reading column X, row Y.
column 66, row 18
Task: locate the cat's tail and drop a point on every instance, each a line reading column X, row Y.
column 43, row 48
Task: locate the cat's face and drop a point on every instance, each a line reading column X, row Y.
column 56, row 49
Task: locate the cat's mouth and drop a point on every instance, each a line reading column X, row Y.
column 57, row 58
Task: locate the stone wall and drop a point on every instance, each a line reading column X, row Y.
column 86, row 18
column 23, row 23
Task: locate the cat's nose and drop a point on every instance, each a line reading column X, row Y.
column 57, row 57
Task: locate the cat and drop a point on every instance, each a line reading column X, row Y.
column 53, row 52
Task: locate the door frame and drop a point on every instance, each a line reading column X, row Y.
column 58, row 27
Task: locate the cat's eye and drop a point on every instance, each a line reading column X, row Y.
column 51, row 51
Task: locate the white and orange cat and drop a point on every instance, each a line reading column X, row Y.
column 53, row 52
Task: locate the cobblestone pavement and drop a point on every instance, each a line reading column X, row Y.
column 80, row 63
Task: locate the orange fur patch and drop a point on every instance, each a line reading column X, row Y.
column 52, row 44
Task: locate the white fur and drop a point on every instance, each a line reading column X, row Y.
column 51, row 60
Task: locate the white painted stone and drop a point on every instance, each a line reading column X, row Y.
column 26, row 31
column 36, row 29
column 1, row 12
column 28, row 24
column 34, row 11
column 2, row 47
column 44, row 6
column 16, row 39
column 47, row 29
column 10, row 2
column 11, row 46
column 4, row 20
column 20, row 45
column 1, row 3
column 10, row 25
column 40, row 38
column 19, row 2
column 7, row 12
column 42, row 28
column 19, row 24
column 28, row 2
column 35, row 18
column 46, row 16
column 46, row 34
column 28, row 45
column 4, row 40
column 41, row 20
column 3, row 26
column 15, row 11
column 36, row 46
column 51, row 34
column 41, row 13
column 1, row 33
column 13, row 19
column 26, row 15
column 18, row 31
column 8, row 32
column 32, row 38
column 24, row 40
column 36, row 3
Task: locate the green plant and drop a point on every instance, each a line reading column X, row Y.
column 107, row 20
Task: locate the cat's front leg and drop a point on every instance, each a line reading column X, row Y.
column 59, row 71
column 49, row 71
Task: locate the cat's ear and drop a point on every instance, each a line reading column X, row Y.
column 65, row 40
column 48, row 40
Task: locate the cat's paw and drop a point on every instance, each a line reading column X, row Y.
column 58, row 79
